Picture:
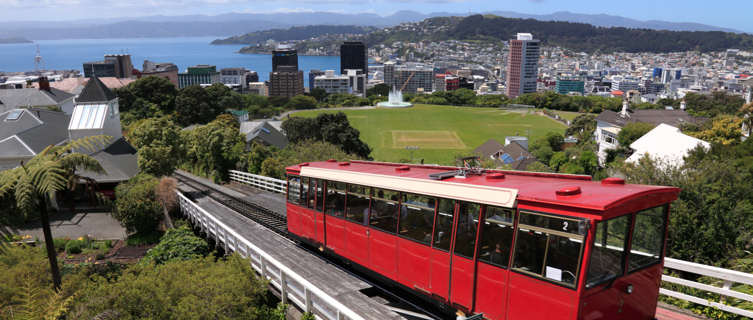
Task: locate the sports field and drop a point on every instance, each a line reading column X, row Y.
column 441, row 133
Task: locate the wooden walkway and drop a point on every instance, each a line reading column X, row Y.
column 339, row 284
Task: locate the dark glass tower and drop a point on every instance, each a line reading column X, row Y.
column 284, row 57
column 353, row 56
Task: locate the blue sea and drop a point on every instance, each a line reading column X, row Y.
column 184, row 52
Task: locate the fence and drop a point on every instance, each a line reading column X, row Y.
column 730, row 277
column 292, row 287
column 257, row 181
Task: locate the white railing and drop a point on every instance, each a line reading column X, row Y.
column 292, row 287
column 730, row 277
column 257, row 181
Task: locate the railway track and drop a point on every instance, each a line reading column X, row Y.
column 268, row 218
column 278, row 223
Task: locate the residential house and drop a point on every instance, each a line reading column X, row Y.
column 264, row 132
column 665, row 144
column 45, row 96
column 609, row 124
column 513, row 154
column 26, row 132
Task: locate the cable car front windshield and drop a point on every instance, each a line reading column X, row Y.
column 550, row 247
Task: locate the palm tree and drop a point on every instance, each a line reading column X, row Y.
column 33, row 183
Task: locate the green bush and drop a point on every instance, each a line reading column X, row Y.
column 60, row 244
column 136, row 205
column 177, row 244
column 74, row 247
column 140, row 239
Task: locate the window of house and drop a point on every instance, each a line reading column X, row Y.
column 608, row 253
column 443, row 226
column 648, row 238
column 335, row 199
column 496, row 236
column 384, row 210
column 357, row 207
column 549, row 247
column 417, row 217
column 466, row 228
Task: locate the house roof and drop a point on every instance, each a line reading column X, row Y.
column 95, row 91
column 653, row 116
column 262, row 130
column 35, row 129
column 119, row 160
column 75, row 85
column 30, row 97
column 666, row 144
column 488, row 148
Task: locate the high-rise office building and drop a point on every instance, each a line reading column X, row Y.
column 287, row 82
column 114, row 65
column 353, row 56
column 284, row 56
column 522, row 65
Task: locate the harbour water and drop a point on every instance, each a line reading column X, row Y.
column 183, row 52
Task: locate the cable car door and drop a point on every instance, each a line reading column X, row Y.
column 463, row 255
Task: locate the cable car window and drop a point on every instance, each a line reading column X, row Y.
column 608, row 253
column 335, row 201
column 304, row 191
column 443, row 226
column 417, row 217
column 467, row 226
column 550, row 247
column 319, row 195
column 357, row 207
column 294, row 189
column 648, row 238
column 496, row 236
column 384, row 210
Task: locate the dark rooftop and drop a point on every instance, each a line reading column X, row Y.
column 95, row 91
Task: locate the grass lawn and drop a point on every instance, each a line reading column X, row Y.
column 441, row 133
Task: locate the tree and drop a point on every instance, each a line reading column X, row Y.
column 589, row 162
column 139, row 96
column 303, row 151
column 52, row 170
column 747, row 113
column 582, row 127
column 724, row 129
column 136, row 205
column 155, row 138
column 633, row 131
column 300, row 102
column 538, row 167
column 190, row 289
column 379, row 90
column 557, row 160
column 214, row 149
column 319, row 94
column 328, row 127
column 178, row 244
column 193, row 105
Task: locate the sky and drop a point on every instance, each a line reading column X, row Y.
column 734, row 14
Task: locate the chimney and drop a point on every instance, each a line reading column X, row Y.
column 683, row 105
column 624, row 112
column 44, row 84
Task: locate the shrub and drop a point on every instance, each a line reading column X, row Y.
column 140, row 239
column 60, row 244
column 177, row 244
column 136, row 205
column 74, row 247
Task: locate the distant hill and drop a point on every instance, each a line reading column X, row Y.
column 239, row 23
column 14, row 40
column 574, row 36
column 294, row 33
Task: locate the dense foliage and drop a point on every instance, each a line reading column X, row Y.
column 328, row 127
column 159, row 144
column 633, row 131
column 136, row 205
column 214, row 148
column 273, row 163
column 177, row 244
column 147, row 97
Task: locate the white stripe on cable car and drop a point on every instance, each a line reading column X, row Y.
column 503, row 197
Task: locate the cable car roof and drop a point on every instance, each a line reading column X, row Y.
column 495, row 187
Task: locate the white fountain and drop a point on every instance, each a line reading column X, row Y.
column 395, row 100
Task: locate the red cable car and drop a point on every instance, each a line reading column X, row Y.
column 509, row 245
